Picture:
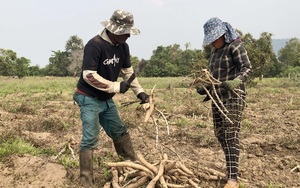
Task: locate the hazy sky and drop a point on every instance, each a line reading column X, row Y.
column 35, row 28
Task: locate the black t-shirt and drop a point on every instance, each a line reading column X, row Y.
column 107, row 60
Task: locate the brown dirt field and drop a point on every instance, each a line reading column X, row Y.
column 270, row 140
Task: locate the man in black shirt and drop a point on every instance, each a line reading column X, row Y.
column 106, row 56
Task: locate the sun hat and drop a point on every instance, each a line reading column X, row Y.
column 214, row 28
column 120, row 23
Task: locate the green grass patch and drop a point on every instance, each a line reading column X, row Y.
column 67, row 161
column 275, row 185
column 19, row 146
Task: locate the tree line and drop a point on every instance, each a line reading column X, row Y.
column 166, row 61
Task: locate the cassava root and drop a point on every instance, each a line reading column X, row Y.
column 166, row 174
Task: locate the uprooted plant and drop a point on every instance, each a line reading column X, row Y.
column 203, row 79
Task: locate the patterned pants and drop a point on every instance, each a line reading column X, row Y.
column 227, row 133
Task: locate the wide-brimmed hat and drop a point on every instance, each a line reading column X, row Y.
column 214, row 28
column 120, row 23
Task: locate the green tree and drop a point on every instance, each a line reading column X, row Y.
column 290, row 71
column 68, row 62
column 58, row 65
column 186, row 61
column 173, row 61
column 74, row 43
column 22, row 67
column 75, row 57
column 260, row 52
column 7, row 59
column 192, row 60
column 74, row 49
column 34, row 71
column 200, row 62
column 134, row 61
column 158, row 62
column 11, row 65
column 290, row 54
column 274, row 70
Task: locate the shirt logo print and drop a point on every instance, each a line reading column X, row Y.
column 112, row 61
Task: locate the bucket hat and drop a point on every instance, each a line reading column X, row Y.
column 120, row 23
column 214, row 28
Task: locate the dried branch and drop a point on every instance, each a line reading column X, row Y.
column 168, row 129
column 151, row 105
column 295, row 168
column 205, row 78
column 66, row 147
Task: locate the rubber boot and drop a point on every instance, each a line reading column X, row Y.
column 124, row 147
column 86, row 168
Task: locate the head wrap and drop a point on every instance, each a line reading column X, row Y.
column 214, row 28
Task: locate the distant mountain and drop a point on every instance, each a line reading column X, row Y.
column 278, row 44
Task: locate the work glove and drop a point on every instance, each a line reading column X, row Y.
column 231, row 84
column 124, row 86
column 201, row 90
column 207, row 98
column 144, row 97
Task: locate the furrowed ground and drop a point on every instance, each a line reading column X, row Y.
column 38, row 119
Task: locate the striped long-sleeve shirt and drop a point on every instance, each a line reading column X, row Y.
column 228, row 63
